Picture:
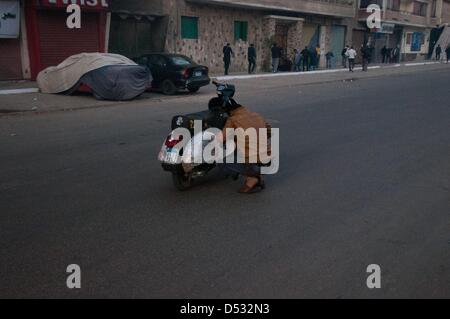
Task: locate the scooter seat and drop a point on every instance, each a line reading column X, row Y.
column 209, row 119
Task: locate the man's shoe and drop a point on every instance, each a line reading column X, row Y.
column 261, row 185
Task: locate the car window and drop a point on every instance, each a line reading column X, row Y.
column 181, row 61
column 151, row 59
column 161, row 61
column 143, row 60
column 157, row 60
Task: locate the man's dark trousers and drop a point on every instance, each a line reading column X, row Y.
column 351, row 64
column 305, row 64
column 227, row 65
column 251, row 65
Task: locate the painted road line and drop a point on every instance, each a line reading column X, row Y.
column 19, row 91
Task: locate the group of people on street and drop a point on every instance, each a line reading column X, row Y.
column 390, row 55
column 349, row 55
column 439, row 53
column 308, row 59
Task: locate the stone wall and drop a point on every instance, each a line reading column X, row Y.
column 216, row 28
column 295, row 35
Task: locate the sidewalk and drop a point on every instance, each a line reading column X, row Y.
column 17, row 87
column 321, row 71
column 273, row 81
column 13, row 101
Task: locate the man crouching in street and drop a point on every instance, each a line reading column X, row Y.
column 250, row 150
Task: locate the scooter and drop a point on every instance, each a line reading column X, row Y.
column 171, row 155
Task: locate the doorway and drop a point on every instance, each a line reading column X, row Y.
column 281, row 36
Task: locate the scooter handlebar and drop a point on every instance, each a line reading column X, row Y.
column 218, row 84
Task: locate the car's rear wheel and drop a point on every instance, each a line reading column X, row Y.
column 193, row 89
column 168, row 88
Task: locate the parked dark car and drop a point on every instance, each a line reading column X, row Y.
column 173, row 72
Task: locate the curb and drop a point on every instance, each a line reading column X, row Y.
column 270, row 75
column 258, row 76
column 19, row 91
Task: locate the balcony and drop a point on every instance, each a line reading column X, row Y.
column 337, row 8
column 405, row 18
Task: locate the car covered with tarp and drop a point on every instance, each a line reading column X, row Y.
column 107, row 76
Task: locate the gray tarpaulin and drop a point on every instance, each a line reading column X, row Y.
column 111, row 76
column 118, row 82
column 60, row 78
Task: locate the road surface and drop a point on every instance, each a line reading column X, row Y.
column 364, row 179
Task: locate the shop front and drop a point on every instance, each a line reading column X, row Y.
column 415, row 44
column 389, row 36
column 50, row 41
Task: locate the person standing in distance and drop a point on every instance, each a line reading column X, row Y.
column 227, row 53
column 251, row 59
column 276, row 55
column 351, row 55
column 438, row 53
column 344, row 56
column 447, row 52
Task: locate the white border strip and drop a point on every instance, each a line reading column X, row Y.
column 421, row 63
column 19, row 91
column 271, row 75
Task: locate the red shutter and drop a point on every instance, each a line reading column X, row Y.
column 10, row 60
column 57, row 42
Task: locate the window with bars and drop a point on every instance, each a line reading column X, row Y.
column 393, row 5
column 241, row 30
column 433, row 8
column 189, row 27
column 420, row 9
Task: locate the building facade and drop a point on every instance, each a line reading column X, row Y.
column 11, row 40
column 33, row 33
column 200, row 28
column 411, row 25
column 36, row 34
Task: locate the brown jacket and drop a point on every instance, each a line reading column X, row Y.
column 243, row 118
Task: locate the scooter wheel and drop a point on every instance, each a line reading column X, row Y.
column 181, row 181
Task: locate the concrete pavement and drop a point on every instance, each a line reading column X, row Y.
column 364, row 180
column 35, row 103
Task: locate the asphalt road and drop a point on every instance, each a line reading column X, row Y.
column 364, row 179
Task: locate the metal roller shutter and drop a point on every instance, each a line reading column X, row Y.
column 10, row 61
column 359, row 37
column 57, row 42
column 337, row 42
